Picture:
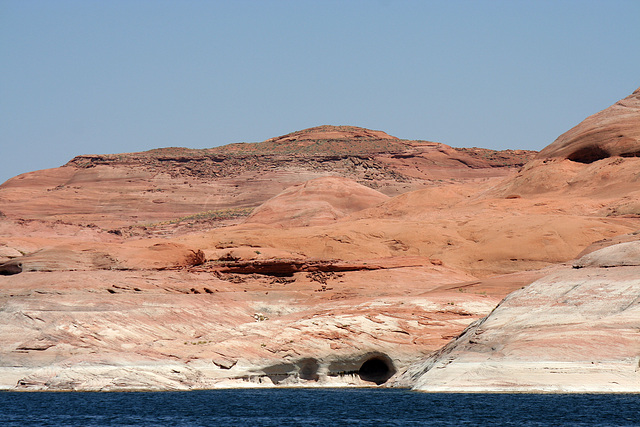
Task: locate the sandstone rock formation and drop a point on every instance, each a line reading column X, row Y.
column 622, row 254
column 329, row 256
column 151, row 329
column 322, row 133
column 575, row 330
column 161, row 188
column 614, row 131
column 134, row 282
column 315, row 202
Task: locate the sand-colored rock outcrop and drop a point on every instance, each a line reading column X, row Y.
column 150, row 192
column 575, row 330
column 614, row 131
column 612, row 182
column 316, row 202
column 595, row 165
column 106, row 256
column 330, row 256
column 109, row 329
column 331, row 132
column 621, row 254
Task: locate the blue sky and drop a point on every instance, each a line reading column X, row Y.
column 98, row 76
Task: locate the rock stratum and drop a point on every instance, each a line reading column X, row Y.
column 332, row 256
column 575, row 330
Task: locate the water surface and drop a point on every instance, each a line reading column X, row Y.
column 316, row 407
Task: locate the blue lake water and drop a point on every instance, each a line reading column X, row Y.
column 316, row 407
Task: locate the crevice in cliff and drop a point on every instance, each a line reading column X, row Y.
column 287, row 267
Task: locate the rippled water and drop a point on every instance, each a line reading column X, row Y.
column 316, row 407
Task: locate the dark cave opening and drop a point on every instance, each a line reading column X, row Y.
column 309, row 369
column 10, row 267
column 377, row 370
column 588, row 154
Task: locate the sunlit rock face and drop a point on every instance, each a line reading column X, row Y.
column 575, row 330
column 316, row 202
column 332, row 256
column 614, row 131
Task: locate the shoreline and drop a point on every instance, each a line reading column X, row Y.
column 95, row 379
column 334, row 387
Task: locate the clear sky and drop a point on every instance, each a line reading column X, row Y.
column 110, row 76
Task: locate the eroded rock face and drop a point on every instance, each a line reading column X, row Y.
column 596, row 160
column 622, row 254
column 61, row 258
column 315, row 202
column 181, row 329
column 331, row 133
column 131, row 193
column 10, row 267
column 139, row 271
column 614, row 131
column 571, row 331
column 89, row 257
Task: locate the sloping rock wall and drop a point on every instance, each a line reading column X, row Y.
column 576, row 330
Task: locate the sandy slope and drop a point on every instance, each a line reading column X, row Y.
column 315, row 202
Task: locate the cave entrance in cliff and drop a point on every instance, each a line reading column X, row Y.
column 377, row 369
column 588, row 154
column 309, row 369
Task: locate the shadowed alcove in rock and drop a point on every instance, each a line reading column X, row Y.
column 377, row 369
